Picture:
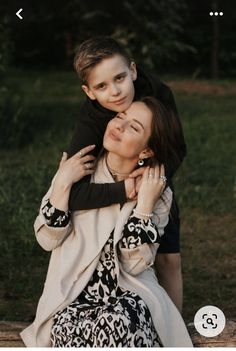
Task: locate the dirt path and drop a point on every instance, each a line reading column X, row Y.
column 203, row 87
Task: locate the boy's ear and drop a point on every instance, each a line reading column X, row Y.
column 146, row 153
column 133, row 70
column 88, row 92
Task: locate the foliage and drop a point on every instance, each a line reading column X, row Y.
column 12, row 125
column 153, row 31
column 199, row 32
column 165, row 35
column 6, row 48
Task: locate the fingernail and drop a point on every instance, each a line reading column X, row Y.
column 92, row 145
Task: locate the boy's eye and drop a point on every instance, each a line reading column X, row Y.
column 101, row 86
column 120, row 78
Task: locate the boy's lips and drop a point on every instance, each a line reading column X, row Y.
column 119, row 102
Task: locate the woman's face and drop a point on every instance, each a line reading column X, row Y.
column 128, row 132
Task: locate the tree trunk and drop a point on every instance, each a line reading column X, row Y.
column 215, row 42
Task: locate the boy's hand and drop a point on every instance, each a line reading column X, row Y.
column 132, row 184
column 137, row 177
column 137, row 172
column 130, row 188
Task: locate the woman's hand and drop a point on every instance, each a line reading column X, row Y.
column 70, row 171
column 151, row 188
column 79, row 165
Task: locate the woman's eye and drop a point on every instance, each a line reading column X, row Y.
column 133, row 127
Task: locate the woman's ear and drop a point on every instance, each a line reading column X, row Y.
column 88, row 92
column 146, row 153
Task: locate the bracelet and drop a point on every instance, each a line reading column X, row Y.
column 149, row 215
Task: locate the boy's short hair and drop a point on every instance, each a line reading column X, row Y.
column 93, row 51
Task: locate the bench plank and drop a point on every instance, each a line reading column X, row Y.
column 9, row 335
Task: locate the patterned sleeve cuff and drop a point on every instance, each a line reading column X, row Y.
column 55, row 217
column 139, row 231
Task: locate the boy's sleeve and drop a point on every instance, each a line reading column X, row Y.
column 85, row 195
column 169, row 101
column 163, row 93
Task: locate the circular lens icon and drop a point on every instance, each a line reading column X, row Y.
column 209, row 321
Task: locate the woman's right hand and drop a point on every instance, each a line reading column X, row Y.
column 78, row 166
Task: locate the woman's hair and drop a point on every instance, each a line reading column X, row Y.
column 163, row 141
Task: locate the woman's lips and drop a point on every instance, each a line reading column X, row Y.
column 113, row 136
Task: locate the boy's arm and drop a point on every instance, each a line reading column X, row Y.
column 85, row 195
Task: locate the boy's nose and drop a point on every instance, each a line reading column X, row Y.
column 114, row 90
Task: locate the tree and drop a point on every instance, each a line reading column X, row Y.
column 154, row 31
column 215, row 42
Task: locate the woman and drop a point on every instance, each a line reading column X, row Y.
column 101, row 288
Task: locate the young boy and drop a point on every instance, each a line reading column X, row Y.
column 111, row 82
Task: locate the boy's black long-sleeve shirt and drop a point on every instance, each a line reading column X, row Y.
column 90, row 129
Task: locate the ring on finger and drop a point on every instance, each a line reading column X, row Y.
column 80, row 153
column 163, row 178
column 87, row 165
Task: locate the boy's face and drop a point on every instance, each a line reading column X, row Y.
column 110, row 82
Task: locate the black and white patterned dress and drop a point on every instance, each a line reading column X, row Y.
column 104, row 315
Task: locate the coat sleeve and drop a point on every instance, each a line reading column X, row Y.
column 49, row 237
column 162, row 210
column 136, row 260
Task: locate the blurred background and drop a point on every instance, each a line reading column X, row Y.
column 194, row 53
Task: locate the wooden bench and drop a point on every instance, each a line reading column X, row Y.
column 226, row 339
column 9, row 335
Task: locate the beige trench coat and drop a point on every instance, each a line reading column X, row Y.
column 75, row 255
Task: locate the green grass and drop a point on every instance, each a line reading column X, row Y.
column 205, row 188
column 206, row 192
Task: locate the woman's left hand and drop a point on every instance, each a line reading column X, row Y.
column 152, row 186
column 69, row 172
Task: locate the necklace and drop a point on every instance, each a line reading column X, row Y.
column 115, row 173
